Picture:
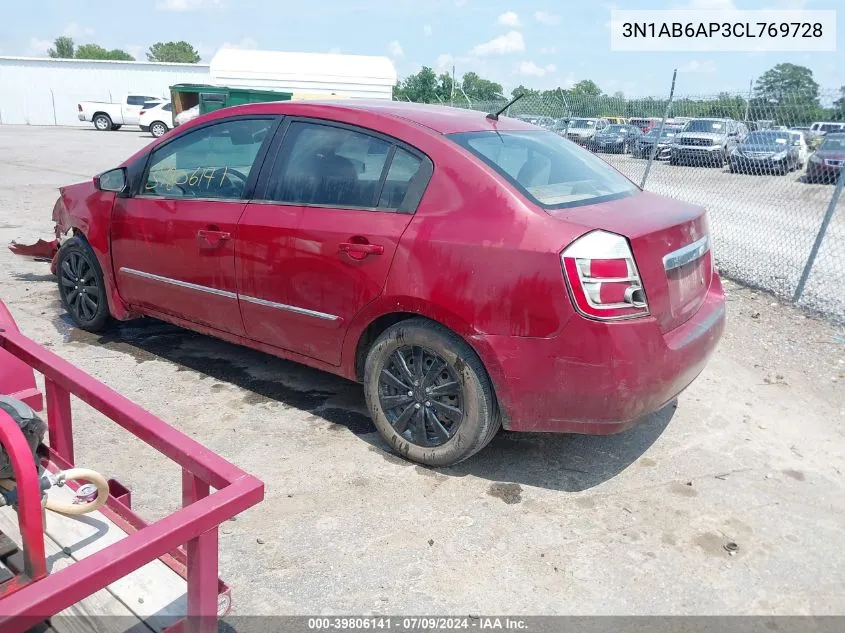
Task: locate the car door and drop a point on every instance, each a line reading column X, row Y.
column 317, row 249
column 173, row 241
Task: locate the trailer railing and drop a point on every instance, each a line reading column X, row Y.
column 37, row 594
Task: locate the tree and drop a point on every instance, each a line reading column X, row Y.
column 787, row 94
column 522, row 90
column 444, row 87
column 479, row 89
column 422, row 87
column 173, row 52
column 839, row 106
column 586, row 88
column 64, row 48
column 95, row 51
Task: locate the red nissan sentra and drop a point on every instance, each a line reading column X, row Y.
column 472, row 271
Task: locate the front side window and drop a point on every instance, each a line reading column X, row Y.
column 329, row 166
column 551, row 171
column 212, row 162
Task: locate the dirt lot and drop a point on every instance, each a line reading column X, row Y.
column 637, row 523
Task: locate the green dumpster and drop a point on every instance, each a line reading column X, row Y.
column 211, row 98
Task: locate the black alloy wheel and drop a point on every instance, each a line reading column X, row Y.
column 81, row 285
column 421, row 396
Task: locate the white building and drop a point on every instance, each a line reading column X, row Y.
column 44, row 91
column 317, row 74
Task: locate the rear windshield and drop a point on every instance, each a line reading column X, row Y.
column 550, row 170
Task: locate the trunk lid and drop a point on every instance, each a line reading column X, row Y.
column 671, row 245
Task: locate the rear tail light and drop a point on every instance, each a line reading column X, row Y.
column 602, row 277
column 79, row 107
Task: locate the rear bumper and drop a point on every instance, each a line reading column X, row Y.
column 601, row 378
column 81, row 116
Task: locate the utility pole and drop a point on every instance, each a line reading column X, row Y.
column 748, row 101
column 452, row 96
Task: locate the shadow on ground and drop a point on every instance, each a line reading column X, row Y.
column 558, row 462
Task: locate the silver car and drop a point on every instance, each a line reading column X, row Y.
column 582, row 131
column 707, row 142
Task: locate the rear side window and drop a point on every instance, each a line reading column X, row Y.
column 331, row 166
column 551, row 171
column 167, row 107
column 214, row 161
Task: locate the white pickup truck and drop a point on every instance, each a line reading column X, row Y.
column 110, row 116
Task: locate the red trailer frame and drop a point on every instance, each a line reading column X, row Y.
column 36, row 595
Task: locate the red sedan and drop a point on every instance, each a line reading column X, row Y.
column 472, row 271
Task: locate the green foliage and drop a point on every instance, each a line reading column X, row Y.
column 95, row 51
column 787, row 95
column 173, row 52
column 64, row 48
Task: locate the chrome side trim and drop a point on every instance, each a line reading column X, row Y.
column 177, row 282
column 687, row 254
column 287, row 308
column 230, row 295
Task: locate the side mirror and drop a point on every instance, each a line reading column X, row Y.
column 113, row 180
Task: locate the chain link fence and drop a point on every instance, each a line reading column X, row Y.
column 766, row 174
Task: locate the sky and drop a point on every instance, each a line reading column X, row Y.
column 537, row 43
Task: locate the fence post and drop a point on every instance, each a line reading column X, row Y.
column 828, row 216
column 568, row 111
column 660, row 131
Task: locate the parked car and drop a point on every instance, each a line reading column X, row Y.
column 358, row 238
column 707, row 142
column 826, row 163
column 582, row 131
column 766, row 151
column 616, row 120
column 645, row 124
column 616, row 138
column 111, row 116
column 820, row 128
column 645, row 144
column 158, row 119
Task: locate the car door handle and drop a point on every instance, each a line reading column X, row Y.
column 212, row 239
column 361, row 249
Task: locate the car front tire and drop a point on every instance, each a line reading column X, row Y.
column 429, row 394
column 81, row 286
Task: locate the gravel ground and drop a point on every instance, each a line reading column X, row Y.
column 753, row 454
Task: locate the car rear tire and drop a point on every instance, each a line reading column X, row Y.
column 451, row 412
column 158, row 129
column 81, row 286
column 102, row 122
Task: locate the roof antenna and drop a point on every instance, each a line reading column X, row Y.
column 494, row 116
